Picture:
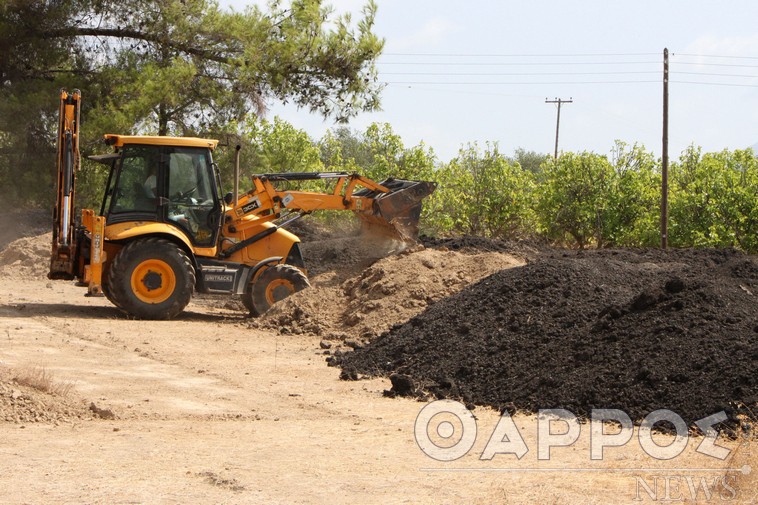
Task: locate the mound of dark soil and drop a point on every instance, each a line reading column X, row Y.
column 633, row 330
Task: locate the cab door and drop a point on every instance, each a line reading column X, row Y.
column 193, row 202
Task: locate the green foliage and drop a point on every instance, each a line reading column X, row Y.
column 634, row 202
column 531, row 161
column 714, row 199
column 583, row 200
column 586, row 199
column 182, row 67
column 377, row 153
column 280, row 147
column 91, row 183
column 343, row 149
column 573, row 198
column 482, row 193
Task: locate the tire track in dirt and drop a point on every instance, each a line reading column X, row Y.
column 130, row 382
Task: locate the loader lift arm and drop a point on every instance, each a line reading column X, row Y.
column 392, row 205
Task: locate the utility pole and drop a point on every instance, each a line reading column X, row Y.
column 665, row 155
column 559, row 101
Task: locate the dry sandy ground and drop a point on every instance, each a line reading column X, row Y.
column 211, row 411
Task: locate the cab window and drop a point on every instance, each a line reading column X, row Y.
column 136, row 189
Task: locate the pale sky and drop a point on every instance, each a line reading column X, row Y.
column 480, row 71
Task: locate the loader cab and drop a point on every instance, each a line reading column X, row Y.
column 164, row 179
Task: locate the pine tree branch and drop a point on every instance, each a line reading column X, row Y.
column 129, row 33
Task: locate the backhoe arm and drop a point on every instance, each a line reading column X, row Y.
column 76, row 253
column 62, row 263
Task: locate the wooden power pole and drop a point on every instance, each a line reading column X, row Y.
column 665, row 155
column 559, row 101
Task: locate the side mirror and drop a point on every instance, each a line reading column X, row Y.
column 228, row 198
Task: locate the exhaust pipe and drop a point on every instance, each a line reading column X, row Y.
column 237, row 173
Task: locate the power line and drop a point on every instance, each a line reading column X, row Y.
column 562, row 63
column 469, row 83
column 715, row 64
column 718, row 75
column 466, row 91
column 436, row 62
column 563, row 55
column 523, row 55
column 523, row 73
column 718, row 84
column 534, row 83
column 715, row 56
column 493, row 74
column 556, row 63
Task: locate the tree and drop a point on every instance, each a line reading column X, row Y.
column 377, row 153
column 178, row 66
column 634, row 200
column 574, row 198
column 344, row 149
column 277, row 146
column 483, row 193
column 530, row 160
column 714, row 199
column 267, row 147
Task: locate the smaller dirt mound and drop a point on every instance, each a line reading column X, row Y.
column 390, row 291
column 23, row 223
column 27, row 258
column 23, row 404
column 472, row 244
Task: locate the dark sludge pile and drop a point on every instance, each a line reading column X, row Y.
column 636, row 330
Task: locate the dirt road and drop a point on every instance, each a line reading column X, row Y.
column 210, row 411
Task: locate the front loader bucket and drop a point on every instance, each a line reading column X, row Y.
column 397, row 212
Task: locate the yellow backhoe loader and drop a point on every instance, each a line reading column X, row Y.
column 165, row 231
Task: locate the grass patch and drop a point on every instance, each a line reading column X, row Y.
column 41, row 379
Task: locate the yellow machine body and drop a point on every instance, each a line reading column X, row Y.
column 165, row 231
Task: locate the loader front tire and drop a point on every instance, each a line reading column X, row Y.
column 107, row 292
column 151, row 279
column 274, row 284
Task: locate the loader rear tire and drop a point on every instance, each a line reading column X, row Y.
column 151, row 279
column 273, row 285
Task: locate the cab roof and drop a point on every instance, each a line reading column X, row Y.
column 122, row 140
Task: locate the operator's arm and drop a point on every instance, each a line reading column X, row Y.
column 151, row 185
